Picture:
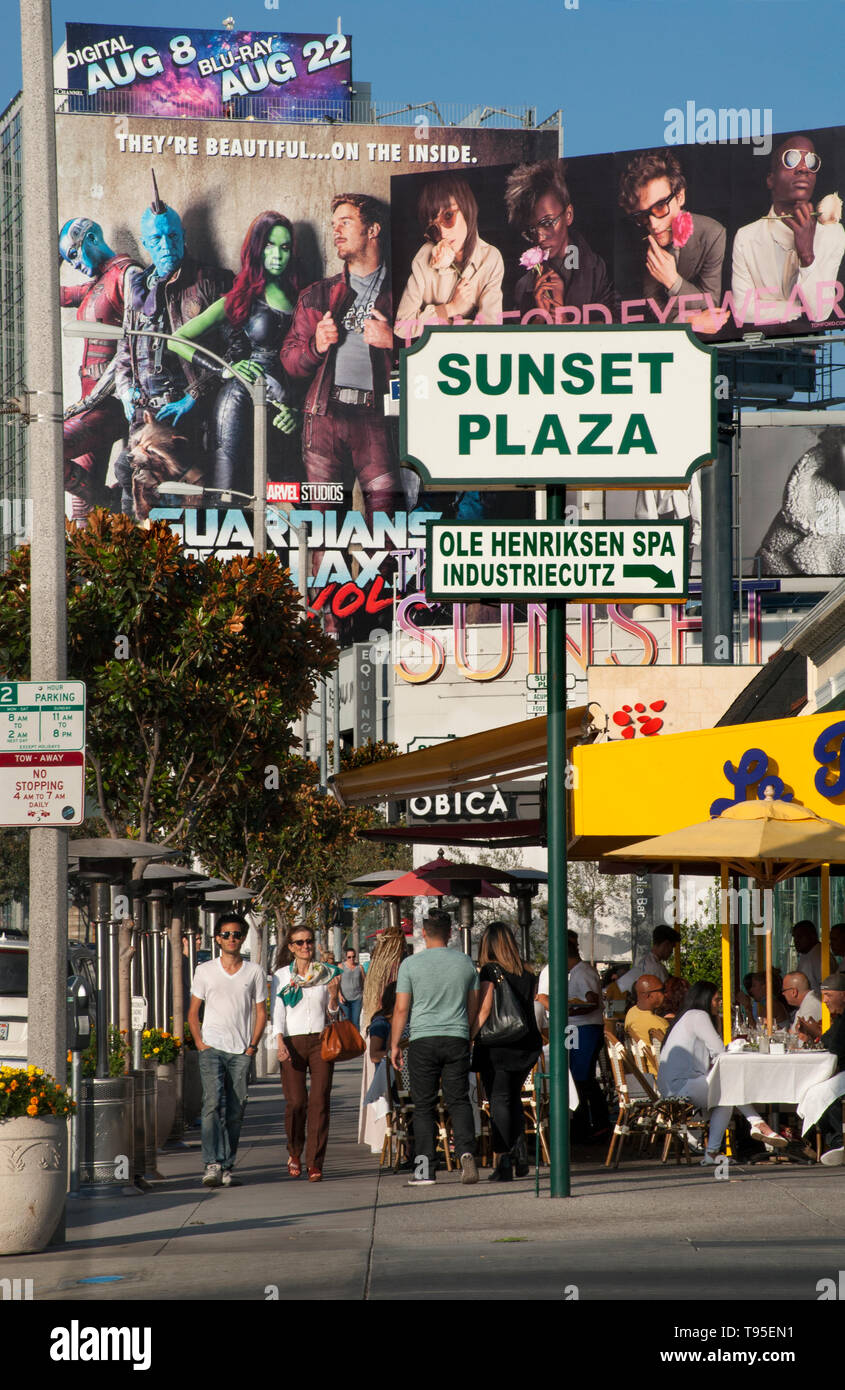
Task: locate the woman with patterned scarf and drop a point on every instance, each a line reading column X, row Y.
column 305, row 999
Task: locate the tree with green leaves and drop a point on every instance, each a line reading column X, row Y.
column 701, row 942
column 195, row 670
column 14, row 865
column 592, row 895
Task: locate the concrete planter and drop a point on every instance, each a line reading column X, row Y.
column 33, row 1181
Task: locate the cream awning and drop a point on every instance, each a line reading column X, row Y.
column 513, row 751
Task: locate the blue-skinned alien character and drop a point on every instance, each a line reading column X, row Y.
column 153, row 383
column 90, row 430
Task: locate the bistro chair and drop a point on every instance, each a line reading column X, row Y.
column 485, row 1137
column 535, row 1105
column 675, row 1116
column 443, row 1136
column 637, row 1104
column 397, row 1143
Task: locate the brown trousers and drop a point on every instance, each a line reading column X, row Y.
column 302, row 1107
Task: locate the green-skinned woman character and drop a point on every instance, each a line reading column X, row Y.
column 255, row 316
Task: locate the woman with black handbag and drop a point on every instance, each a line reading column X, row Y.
column 507, row 1040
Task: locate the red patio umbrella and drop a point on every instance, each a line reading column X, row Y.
column 465, row 887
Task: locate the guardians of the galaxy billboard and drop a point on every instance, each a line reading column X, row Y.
column 270, row 247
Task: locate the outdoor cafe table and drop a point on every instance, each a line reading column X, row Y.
column 758, row 1078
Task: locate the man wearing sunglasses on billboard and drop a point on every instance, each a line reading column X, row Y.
column 682, row 253
column 786, row 265
column 235, row 995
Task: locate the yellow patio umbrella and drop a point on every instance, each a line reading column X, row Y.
column 767, row 841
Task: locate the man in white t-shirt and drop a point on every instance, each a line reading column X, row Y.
column 590, row 1120
column 235, row 995
column 663, row 941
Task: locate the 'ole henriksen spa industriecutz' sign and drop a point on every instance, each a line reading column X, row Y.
column 588, row 407
column 595, row 562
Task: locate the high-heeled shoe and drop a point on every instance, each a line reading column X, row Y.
column 503, row 1172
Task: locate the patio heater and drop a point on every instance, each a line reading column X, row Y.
column 466, row 890
column 524, row 885
column 158, row 901
column 106, row 1103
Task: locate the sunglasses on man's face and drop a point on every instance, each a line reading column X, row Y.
column 237, row 935
column 659, row 209
column 790, row 159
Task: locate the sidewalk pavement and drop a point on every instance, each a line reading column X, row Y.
column 643, row 1232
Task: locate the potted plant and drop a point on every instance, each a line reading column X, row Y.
column 118, row 1053
column 33, row 1158
column 160, row 1050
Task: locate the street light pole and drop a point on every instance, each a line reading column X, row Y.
column 48, row 585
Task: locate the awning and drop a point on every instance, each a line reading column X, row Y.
column 501, row 834
column 778, row 691
column 477, row 760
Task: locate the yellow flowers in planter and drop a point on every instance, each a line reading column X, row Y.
column 29, row 1091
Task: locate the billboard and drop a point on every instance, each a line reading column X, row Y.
column 207, row 72
column 792, row 494
column 274, row 254
column 730, row 238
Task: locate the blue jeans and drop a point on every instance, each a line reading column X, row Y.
column 591, row 1113
column 224, row 1088
column 353, row 1010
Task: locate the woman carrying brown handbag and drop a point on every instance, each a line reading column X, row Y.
column 305, row 999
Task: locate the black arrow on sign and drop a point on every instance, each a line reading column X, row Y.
column 663, row 579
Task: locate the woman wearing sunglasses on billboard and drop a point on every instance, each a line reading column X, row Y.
column 255, row 317
column 786, row 264
column 305, row 998
column 454, row 275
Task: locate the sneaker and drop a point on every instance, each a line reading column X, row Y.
column 469, row 1171
column 710, row 1159
column 833, row 1158
column 228, row 1179
column 420, row 1182
column 211, row 1177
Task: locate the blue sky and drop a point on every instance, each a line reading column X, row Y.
column 614, row 66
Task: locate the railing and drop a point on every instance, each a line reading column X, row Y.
column 350, row 110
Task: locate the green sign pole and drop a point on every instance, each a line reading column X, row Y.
column 557, row 840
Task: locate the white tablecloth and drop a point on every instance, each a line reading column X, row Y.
column 754, row 1078
column 573, row 1093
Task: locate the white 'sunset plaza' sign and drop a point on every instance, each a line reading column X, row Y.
column 510, row 406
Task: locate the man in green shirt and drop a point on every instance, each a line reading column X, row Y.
column 442, row 987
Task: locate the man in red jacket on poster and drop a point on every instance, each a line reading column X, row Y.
column 341, row 342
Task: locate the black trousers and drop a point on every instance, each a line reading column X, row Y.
column 507, row 1117
column 830, row 1125
column 433, row 1062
